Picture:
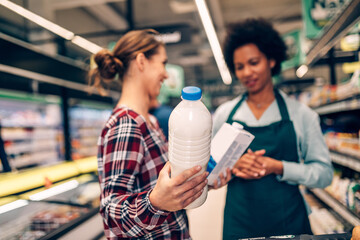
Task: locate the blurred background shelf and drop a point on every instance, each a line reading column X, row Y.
column 336, row 206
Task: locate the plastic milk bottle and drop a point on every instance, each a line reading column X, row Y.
column 190, row 126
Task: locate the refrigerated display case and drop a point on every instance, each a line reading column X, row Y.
column 31, row 129
column 50, row 209
column 86, row 122
column 35, row 126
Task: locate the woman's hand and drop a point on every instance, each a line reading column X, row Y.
column 271, row 165
column 249, row 166
column 223, row 180
column 173, row 194
column 268, row 166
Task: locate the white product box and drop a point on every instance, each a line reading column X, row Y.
column 229, row 143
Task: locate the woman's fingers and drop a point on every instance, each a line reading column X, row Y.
column 216, row 184
column 225, row 179
column 173, row 194
column 192, row 198
column 189, row 186
column 186, row 174
column 228, row 175
column 194, row 191
column 165, row 171
column 260, row 152
column 246, row 174
column 222, row 179
column 196, row 181
column 241, row 174
column 251, row 164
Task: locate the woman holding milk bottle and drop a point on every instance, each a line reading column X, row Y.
column 139, row 199
column 263, row 199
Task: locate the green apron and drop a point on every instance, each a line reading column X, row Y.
column 266, row 207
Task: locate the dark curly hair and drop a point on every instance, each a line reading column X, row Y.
column 259, row 32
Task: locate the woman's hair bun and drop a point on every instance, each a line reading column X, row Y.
column 108, row 65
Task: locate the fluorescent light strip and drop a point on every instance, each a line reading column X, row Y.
column 38, row 20
column 301, row 71
column 54, row 190
column 52, row 27
column 13, row 205
column 213, row 40
column 87, row 45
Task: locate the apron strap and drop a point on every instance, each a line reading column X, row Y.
column 233, row 111
column 282, row 105
column 279, row 99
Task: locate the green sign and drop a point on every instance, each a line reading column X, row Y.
column 111, row 45
column 295, row 53
column 173, row 85
column 317, row 13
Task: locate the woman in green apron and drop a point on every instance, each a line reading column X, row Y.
column 263, row 198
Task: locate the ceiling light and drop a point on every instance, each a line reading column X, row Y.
column 301, row 71
column 213, row 40
column 52, row 27
column 86, row 44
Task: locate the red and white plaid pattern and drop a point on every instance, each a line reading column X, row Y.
column 130, row 157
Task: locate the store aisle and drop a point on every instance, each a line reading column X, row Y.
column 206, row 221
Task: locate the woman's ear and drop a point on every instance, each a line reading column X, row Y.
column 272, row 63
column 140, row 61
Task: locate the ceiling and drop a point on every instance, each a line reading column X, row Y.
column 104, row 21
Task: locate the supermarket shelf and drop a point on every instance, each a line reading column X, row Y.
column 336, row 206
column 16, row 182
column 68, row 194
column 34, row 159
column 347, row 105
column 19, row 125
column 334, row 30
column 28, row 147
column 29, row 135
column 27, row 138
column 345, row 160
column 86, row 165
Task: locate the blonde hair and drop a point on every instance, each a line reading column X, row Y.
column 111, row 65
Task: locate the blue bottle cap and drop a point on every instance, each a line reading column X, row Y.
column 191, row 93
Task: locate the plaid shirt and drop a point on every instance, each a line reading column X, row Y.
column 130, row 157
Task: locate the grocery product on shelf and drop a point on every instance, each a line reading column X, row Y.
column 347, row 143
column 325, row 94
column 346, row 191
column 86, row 122
column 323, row 222
column 31, row 129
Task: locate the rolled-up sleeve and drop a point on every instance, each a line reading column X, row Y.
column 315, row 171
